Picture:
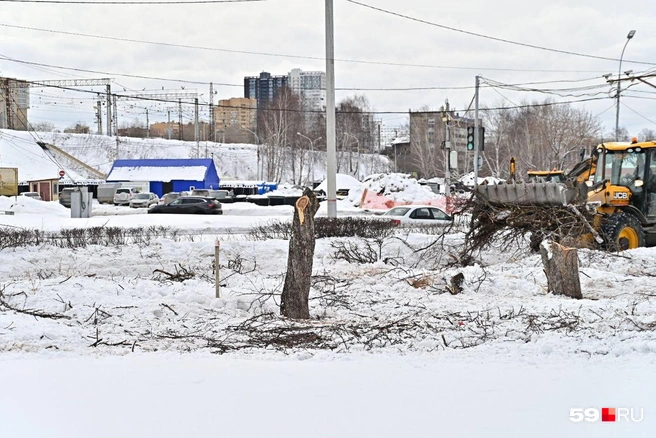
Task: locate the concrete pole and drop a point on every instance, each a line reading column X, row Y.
column 196, row 128
column 476, row 132
column 168, row 124
column 109, row 110
column 447, row 147
column 331, row 153
column 147, row 125
column 217, row 284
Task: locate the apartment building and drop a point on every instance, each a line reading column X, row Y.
column 426, row 145
column 14, row 103
column 311, row 86
column 263, row 88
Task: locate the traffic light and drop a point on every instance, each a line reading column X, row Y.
column 481, row 138
column 470, row 138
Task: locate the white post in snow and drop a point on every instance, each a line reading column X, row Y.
column 217, row 246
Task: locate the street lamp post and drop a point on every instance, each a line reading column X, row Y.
column 257, row 170
column 619, row 72
column 311, row 152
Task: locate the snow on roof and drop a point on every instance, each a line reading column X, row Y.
column 343, row 182
column 164, row 174
column 401, row 140
column 159, row 170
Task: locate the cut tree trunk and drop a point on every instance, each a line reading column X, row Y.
column 296, row 291
column 561, row 266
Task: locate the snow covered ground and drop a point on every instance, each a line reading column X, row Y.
column 101, row 341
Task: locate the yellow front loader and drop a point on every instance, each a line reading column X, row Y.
column 617, row 185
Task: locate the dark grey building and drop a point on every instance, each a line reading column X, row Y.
column 264, row 87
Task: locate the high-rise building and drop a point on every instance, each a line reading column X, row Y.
column 311, row 86
column 14, row 103
column 263, row 88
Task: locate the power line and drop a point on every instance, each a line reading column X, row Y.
column 502, row 40
column 138, row 2
column 636, row 112
column 114, row 74
column 241, row 85
column 397, row 64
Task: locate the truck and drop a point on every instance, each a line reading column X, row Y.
column 105, row 193
column 620, row 199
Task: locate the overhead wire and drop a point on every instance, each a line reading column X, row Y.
column 316, row 58
column 136, row 2
column 637, row 113
column 502, row 40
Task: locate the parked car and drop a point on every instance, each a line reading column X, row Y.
column 142, row 200
column 168, row 197
column 189, row 205
column 200, row 192
column 417, row 214
column 33, row 195
column 65, row 196
column 124, row 195
column 222, row 195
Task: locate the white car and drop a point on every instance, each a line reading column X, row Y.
column 33, row 195
column 144, row 200
column 418, row 214
column 124, row 195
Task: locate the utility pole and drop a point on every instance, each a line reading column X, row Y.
column 109, row 110
column 147, row 125
column 179, row 119
column 116, row 125
column 477, row 140
column 447, row 147
column 212, row 119
column 331, row 153
column 196, row 128
column 168, row 123
column 99, row 115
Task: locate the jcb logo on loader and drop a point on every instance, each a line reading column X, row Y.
column 620, row 195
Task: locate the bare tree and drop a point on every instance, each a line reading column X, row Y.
column 543, row 135
column 647, row 134
column 44, row 127
column 278, row 123
column 355, row 132
column 78, row 128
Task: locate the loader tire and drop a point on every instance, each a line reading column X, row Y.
column 622, row 231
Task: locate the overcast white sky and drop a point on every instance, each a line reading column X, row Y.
column 292, row 33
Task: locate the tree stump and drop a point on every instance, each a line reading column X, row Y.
column 561, row 266
column 456, row 283
column 296, row 291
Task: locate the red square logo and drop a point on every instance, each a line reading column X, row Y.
column 607, row 414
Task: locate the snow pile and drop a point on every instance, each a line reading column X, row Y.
column 468, row 180
column 286, row 190
column 342, row 181
column 27, row 205
column 395, row 187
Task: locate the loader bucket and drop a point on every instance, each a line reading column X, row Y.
column 533, row 193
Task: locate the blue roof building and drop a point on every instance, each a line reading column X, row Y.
column 167, row 175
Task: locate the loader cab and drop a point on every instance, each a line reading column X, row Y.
column 631, row 166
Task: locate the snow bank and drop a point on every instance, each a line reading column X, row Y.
column 343, row 182
column 27, row 205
